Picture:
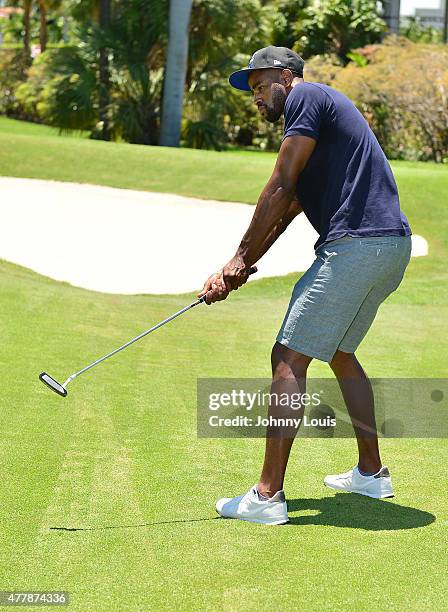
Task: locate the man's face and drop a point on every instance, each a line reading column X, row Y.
column 269, row 93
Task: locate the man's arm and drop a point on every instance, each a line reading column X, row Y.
column 272, row 206
column 216, row 285
column 292, row 212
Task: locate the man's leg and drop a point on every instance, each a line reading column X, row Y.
column 358, row 396
column 288, row 376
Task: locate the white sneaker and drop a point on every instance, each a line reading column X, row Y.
column 379, row 485
column 250, row 507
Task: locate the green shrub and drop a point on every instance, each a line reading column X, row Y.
column 215, row 115
column 414, row 29
column 337, row 27
column 322, row 68
column 61, row 90
column 403, row 93
column 13, row 67
column 135, row 104
column 212, row 112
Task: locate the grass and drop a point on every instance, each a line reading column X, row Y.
column 117, row 465
column 38, row 151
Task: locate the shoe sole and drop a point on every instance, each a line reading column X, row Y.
column 258, row 521
column 388, row 496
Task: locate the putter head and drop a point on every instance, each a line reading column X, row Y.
column 53, row 384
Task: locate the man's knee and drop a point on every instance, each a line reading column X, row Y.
column 341, row 360
column 284, row 360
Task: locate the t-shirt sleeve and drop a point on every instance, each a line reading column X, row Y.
column 304, row 111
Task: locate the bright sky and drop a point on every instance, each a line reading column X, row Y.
column 407, row 7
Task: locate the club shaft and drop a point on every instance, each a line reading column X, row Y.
column 142, row 335
column 201, row 300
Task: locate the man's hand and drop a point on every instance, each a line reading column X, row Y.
column 218, row 286
column 214, row 289
column 235, row 273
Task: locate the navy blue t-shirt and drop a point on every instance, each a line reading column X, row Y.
column 347, row 186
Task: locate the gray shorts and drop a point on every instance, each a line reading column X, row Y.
column 336, row 300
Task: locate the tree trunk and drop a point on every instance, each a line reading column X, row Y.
column 43, row 32
column 104, row 76
column 175, row 71
column 391, row 15
column 445, row 23
column 26, row 28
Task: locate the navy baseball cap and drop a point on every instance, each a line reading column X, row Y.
column 268, row 57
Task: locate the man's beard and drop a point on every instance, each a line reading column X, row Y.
column 274, row 112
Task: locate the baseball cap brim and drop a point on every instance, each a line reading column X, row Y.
column 240, row 78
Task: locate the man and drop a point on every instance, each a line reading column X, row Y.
column 331, row 167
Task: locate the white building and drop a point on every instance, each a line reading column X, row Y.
column 429, row 12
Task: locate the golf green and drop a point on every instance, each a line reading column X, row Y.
column 109, row 494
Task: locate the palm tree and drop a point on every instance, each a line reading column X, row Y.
column 44, row 7
column 176, row 68
column 95, row 17
column 26, row 27
column 104, row 71
column 43, row 30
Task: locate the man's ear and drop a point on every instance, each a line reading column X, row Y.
column 287, row 77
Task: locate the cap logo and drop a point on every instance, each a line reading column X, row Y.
column 251, row 61
column 277, row 63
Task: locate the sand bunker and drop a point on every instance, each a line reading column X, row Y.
column 123, row 241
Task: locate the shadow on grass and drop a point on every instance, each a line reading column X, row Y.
column 213, row 518
column 358, row 512
column 341, row 510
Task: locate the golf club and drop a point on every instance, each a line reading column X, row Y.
column 55, row 386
